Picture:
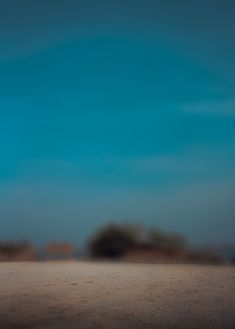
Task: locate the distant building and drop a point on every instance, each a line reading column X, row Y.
column 59, row 251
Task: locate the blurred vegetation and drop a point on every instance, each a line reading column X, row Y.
column 114, row 241
column 166, row 242
column 11, row 248
column 129, row 243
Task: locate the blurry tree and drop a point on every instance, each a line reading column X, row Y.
column 157, row 239
column 166, row 242
column 113, row 241
column 12, row 248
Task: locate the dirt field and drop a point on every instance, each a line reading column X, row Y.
column 88, row 295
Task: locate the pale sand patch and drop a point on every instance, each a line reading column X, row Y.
column 77, row 295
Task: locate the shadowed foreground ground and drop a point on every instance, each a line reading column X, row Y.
column 89, row 295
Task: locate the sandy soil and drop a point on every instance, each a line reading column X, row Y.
column 88, row 295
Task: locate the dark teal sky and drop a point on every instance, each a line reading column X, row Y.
column 117, row 110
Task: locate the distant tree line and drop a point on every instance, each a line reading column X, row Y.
column 131, row 243
column 114, row 241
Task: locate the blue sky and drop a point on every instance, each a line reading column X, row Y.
column 117, row 111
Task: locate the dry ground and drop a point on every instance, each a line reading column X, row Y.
column 78, row 295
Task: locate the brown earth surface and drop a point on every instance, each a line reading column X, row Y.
column 82, row 295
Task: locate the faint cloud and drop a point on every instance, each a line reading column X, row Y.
column 201, row 162
column 220, row 107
